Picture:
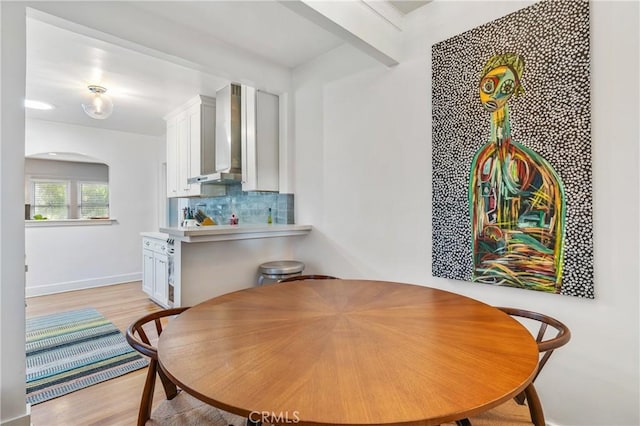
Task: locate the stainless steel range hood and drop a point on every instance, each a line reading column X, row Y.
column 247, row 140
column 228, row 139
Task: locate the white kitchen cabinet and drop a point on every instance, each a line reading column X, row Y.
column 161, row 278
column 190, row 147
column 172, row 158
column 155, row 270
column 147, row 271
column 260, row 140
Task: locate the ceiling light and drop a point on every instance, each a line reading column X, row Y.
column 98, row 105
column 28, row 103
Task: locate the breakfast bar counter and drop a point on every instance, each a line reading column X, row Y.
column 198, row 234
column 207, row 261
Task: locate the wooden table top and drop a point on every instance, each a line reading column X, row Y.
column 349, row 352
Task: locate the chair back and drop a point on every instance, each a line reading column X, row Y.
column 137, row 336
column 139, row 340
column 546, row 345
column 308, row 277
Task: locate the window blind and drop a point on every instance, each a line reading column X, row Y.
column 94, row 200
column 51, row 199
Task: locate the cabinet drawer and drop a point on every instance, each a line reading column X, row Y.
column 155, row 245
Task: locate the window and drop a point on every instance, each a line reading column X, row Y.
column 62, row 189
column 94, row 200
column 50, row 199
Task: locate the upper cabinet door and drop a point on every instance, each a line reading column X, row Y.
column 190, row 147
column 184, row 154
column 193, row 142
column 260, row 140
column 268, row 141
column 172, row 158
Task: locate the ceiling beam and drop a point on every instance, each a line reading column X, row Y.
column 357, row 23
column 386, row 12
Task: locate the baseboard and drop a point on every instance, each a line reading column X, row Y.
column 24, row 420
column 41, row 290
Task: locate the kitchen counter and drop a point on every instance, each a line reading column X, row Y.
column 207, row 261
column 156, row 235
column 234, row 232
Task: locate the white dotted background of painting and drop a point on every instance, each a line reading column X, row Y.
column 552, row 117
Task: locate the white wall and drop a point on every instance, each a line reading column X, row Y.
column 73, row 257
column 363, row 179
column 12, row 329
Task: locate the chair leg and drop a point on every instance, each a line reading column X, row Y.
column 144, row 413
column 170, row 388
column 535, row 407
column 463, row 422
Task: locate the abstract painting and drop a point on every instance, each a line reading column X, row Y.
column 511, row 152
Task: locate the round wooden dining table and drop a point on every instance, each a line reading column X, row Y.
column 348, row 352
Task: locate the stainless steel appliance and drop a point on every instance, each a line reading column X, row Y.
column 228, row 146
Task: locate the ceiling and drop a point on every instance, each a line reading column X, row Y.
column 61, row 63
column 408, row 6
column 263, row 28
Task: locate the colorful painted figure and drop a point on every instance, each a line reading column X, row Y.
column 516, row 198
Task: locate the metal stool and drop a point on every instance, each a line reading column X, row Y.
column 279, row 269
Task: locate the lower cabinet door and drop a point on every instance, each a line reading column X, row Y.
column 147, row 271
column 161, row 278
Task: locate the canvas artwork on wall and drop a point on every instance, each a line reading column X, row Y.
column 511, row 154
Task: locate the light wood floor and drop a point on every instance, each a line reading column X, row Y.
column 116, row 401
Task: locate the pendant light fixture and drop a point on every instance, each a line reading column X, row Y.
column 98, row 105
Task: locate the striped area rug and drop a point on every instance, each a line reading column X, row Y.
column 72, row 350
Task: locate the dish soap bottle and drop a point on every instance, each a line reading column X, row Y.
column 269, row 220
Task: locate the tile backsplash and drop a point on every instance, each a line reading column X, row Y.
column 249, row 207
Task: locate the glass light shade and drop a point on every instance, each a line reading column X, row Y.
column 98, row 105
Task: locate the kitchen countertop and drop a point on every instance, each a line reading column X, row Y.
column 156, row 235
column 234, row 232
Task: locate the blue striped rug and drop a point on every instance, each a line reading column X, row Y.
column 72, row 350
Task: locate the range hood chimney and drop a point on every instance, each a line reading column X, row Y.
column 228, row 140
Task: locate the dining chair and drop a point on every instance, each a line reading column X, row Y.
column 308, row 277
column 183, row 408
column 557, row 338
column 139, row 340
